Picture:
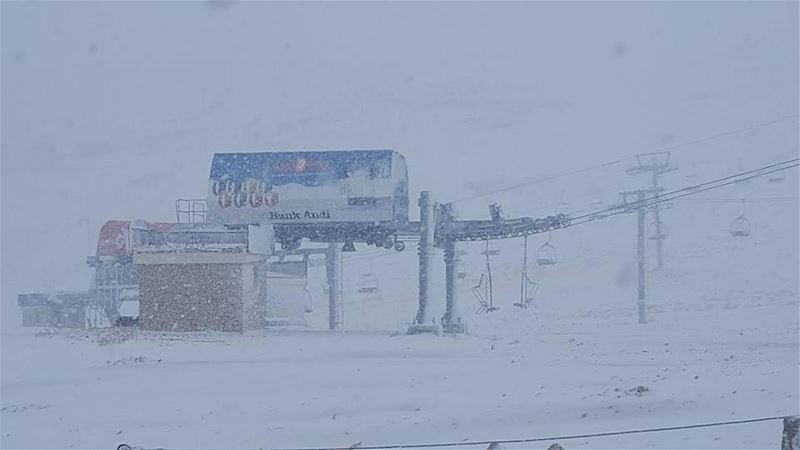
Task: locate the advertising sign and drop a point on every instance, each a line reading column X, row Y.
column 307, row 187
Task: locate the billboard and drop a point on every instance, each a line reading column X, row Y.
column 308, row 187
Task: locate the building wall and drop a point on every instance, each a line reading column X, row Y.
column 54, row 315
column 191, row 297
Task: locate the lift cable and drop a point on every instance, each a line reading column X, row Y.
column 617, row 161
column 519, row 227
column 670, row 196
column 543, row 180
column 696, row 188
column 729, row 133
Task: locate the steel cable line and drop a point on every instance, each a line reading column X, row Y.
column 738, row 200
column 541, row 439
column 611, row 163
column 728, row 133
column 622, row 209
column 542, row 180
column 695, row 188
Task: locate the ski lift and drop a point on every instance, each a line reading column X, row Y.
column 691, row 178
column 492, row 248
column 775, row 178
column 483, row 293
column 368, row 284
column 309, row 306
column 740, row 227
column 655, row 227
column 546, row 255
column 528, row 288
column 562, row 204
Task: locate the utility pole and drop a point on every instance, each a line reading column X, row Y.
column 657, row 163
column 640, row 256
column 630, row 205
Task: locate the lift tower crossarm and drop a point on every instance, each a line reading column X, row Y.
column 497, row 228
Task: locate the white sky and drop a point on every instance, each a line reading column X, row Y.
column 113, row 109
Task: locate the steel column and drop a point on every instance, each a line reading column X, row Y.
column 333, row 272
column 640, row 212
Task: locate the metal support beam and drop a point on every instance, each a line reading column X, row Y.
column 657, row 163
column 640, row 254
column 426, row 251
column 452, row 322
column 659, row 238
column 333, row 272
column 791, row 433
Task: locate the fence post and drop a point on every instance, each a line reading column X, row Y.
column 791, row 433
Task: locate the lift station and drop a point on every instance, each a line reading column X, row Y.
column 217, row 259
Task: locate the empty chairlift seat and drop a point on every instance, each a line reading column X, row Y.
column 368, row 284
column 740, row 227
column 546, row 255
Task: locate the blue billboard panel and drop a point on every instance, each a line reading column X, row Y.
column 314, row 186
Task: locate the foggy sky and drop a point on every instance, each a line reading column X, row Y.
column 113, row 109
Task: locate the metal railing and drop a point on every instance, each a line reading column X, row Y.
column 190, row 210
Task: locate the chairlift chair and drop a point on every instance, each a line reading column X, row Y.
column 775, row 178
column 492, row 248
column 546, row 255
column 654, row 236
column 483, row 291
column 562, row 204
column 528, row 288
column 483, row 295
column 740, row 227
column 368, row 284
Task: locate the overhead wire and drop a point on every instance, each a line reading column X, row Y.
column 496, row 442
column 695, row 188
column 617, row 161
column 692, row 190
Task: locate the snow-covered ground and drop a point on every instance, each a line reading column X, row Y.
column 525, row 376
column 721, row 344
column 113, row 110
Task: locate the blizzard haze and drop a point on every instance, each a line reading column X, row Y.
column 112, row 110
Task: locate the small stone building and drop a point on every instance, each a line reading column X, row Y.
column 201, row 290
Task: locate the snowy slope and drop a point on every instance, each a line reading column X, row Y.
column 106, row 114
column 721, row 344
